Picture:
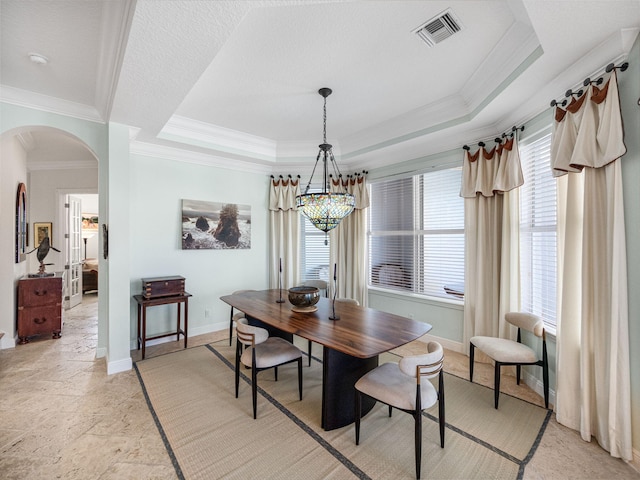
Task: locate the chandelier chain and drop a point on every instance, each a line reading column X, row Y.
column 324, row 121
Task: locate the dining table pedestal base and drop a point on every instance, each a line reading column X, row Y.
column 340, row 372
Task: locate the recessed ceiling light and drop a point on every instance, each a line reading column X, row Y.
column 37, row 58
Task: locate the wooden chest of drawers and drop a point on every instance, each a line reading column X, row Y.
column 39, row 307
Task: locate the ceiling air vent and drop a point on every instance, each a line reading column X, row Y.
column 439, row 28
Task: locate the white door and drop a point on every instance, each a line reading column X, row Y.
column 73, row 264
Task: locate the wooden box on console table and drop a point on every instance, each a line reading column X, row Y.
column 162, row 286
column 39, row 306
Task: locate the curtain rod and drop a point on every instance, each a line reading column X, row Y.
column 587, row 81
column 498, row 140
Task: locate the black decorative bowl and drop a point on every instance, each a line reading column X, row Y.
column 304, row 298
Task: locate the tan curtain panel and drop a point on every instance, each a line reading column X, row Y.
column 348, row 241
column 593, row 372
column 284, row 232
column 489, row 185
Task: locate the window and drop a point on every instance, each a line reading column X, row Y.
column 416, row 237
column 538, row 221
column 314, row 254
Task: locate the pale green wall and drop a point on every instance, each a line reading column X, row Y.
column 629, row 82
column 157, row 189
column 13, row 171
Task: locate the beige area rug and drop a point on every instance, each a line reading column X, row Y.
column 211, row 434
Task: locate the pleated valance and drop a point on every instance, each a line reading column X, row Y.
column 356, row 185
column 283, row 192
column 589, row 132
column 491, row 172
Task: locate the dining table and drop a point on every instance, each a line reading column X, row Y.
column 351, row 343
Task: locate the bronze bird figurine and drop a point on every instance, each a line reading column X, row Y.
column 43, row 251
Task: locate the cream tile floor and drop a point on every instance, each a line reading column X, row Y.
column 62, row 416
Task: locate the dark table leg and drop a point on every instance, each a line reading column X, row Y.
column 178, row 324
column 139, row 331
column 144, row 329
column 186, row 319
column 340, row 372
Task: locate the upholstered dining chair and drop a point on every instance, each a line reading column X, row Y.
column 263, row 352
column 509, row 352
column 231, row 317
column 322, row 286
column 351, row 301
column 404, row 386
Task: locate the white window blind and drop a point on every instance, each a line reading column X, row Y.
column 314, row 254
column 416, row 236
column 538, row 222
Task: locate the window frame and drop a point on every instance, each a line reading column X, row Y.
column 417, row 236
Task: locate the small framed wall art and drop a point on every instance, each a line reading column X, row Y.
column 41, row 230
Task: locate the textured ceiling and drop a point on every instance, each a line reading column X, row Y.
column 238, row 80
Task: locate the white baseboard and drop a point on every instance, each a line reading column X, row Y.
column 101, row 352
column 7, row 342
column 538, row 386
column 445, row 342
column 119, row 366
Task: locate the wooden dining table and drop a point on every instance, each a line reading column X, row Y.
column 351, row 344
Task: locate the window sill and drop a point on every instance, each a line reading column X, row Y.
column 458, row 304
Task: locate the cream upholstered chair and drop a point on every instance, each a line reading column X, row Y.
column 509, row 352
column 351, row 301
column 321, row 285
column 263, row 352
column 231, row 317
column 404, row 386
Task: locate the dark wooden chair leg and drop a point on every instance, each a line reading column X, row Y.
column 518, row 371
column 472, row 349
column 254, row 390
column 275, row 369
column 231, row 326
column 390, row 410
column 358, row 407
column 310, row 352
column 237, row 367
column 418, row 420
column 300, row 377
column 496, row 385
column 441, row 416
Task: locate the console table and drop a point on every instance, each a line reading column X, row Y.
column 143, row 303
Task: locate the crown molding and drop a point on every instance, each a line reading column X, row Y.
column 26, row 140
column 194, row 132
column 499, row 70
column 45, row 103
column 197, row 158
column 117, row 19
column 65, row 165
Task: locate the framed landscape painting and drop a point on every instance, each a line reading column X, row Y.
column 215, row 225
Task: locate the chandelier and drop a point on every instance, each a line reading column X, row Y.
column 325, row 209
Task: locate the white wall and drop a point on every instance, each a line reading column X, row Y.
column 13, row 168
column 157, row 189
column 45, row 187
